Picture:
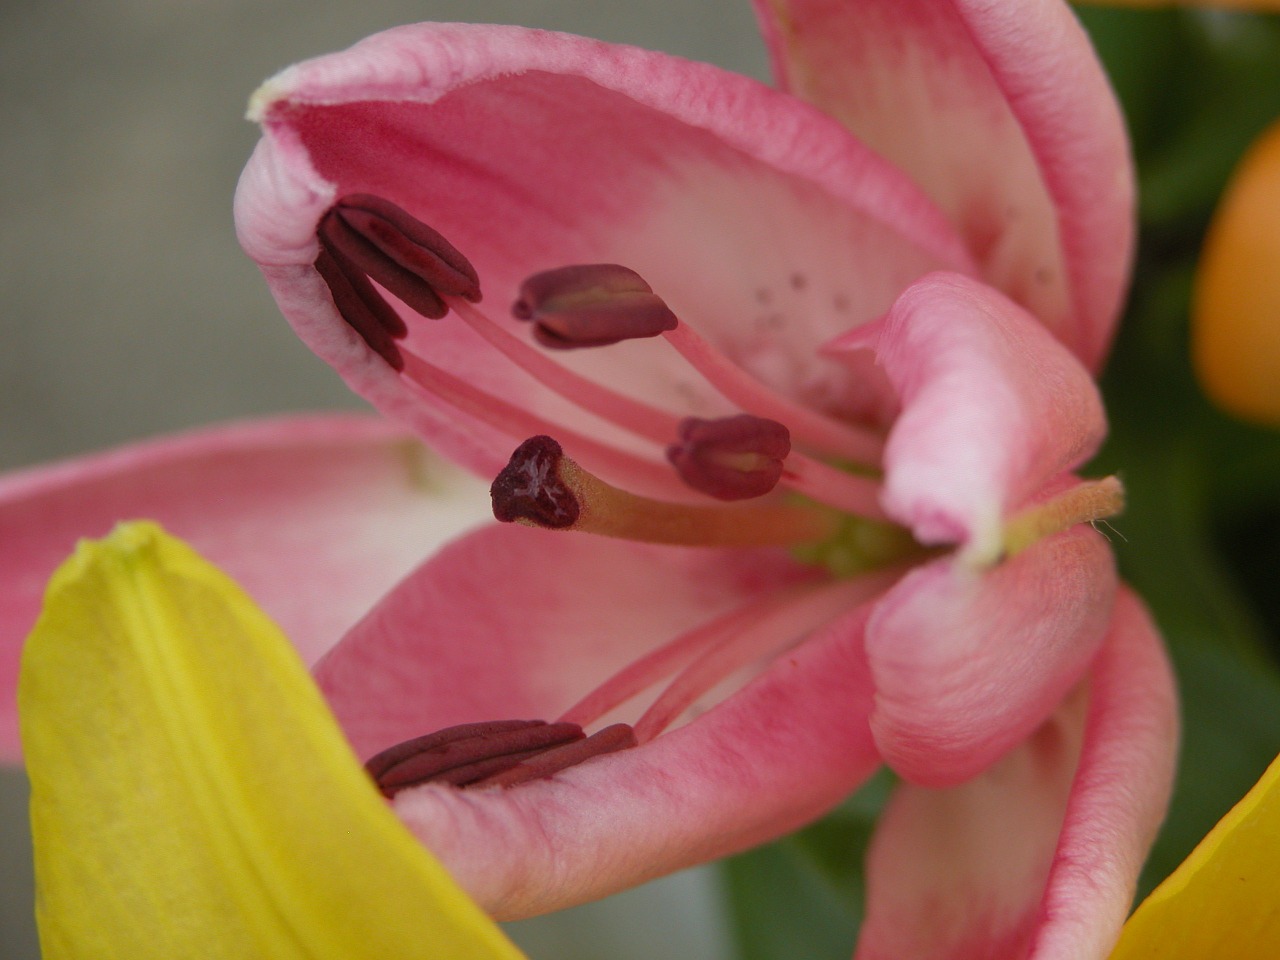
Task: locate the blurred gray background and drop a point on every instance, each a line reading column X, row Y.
column 128, row 309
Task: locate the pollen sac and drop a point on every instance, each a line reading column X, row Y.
column 468, row 754
column 364, row 308
column 530, row 488
column 364, row 238
column 619, row 736
column 591, row 305
column 734, row 458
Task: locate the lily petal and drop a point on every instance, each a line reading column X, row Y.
column 968, row 664
column 779, row 753
column 964, row 81
column 993, row 411
column 184, row 770
column 531, row 619
column 968, row 657
column 316, row 515
column 1039, row 856
column 531, row 150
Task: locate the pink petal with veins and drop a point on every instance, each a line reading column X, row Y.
column 517, row 623
column 967, row 663
column 316, row 516
column 993, row 411
column 531, row 150
column 1003, row 113
column 1037, row 857
column 777, row 754
column 1120, row 792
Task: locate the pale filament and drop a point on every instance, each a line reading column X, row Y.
column 810, row 428
column 520, row 423
column 673, row 655
column 851, row 493
column 774, row 633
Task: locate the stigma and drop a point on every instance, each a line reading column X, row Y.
column 542, row 487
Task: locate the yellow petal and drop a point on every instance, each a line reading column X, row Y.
column 1223, row 902
column 192, row 796
column 1236, row 307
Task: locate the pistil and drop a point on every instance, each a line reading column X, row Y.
column 543, row 487
column 1086, row 502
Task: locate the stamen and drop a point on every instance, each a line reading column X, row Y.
column 591, row 305
column 363, row 307
column 1085, row 502
column 543, row 487
column 837, row 488
column 599, row 304
column 852, row 493
column 780, row 630
column 517, row 422
column 808, row 426
column 371, row 235
column 673, row 655
column 734, row 458
column 611, row 739
column 640, row 418
column 465, row 754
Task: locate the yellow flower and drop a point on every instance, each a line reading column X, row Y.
column 192, row 796
column 1236, row 306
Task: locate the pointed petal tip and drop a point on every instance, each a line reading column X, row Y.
column 264, row 98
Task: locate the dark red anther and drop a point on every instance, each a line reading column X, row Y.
column 369, row 235
column 619, row 736
column 467, row 754
column 734, row 458
column 591, row 305
column 530, row 487
column 364, row 309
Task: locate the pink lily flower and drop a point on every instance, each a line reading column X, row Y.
column 883, row 289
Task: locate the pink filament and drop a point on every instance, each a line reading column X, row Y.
column 807, row 426
column 654, row 666
column 816, row 480
column 774, row 633
column 640, row 418
column 520, row 424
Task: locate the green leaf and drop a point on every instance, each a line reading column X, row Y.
column 801, row 897
column 1231, row 731
column 1197, row 87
